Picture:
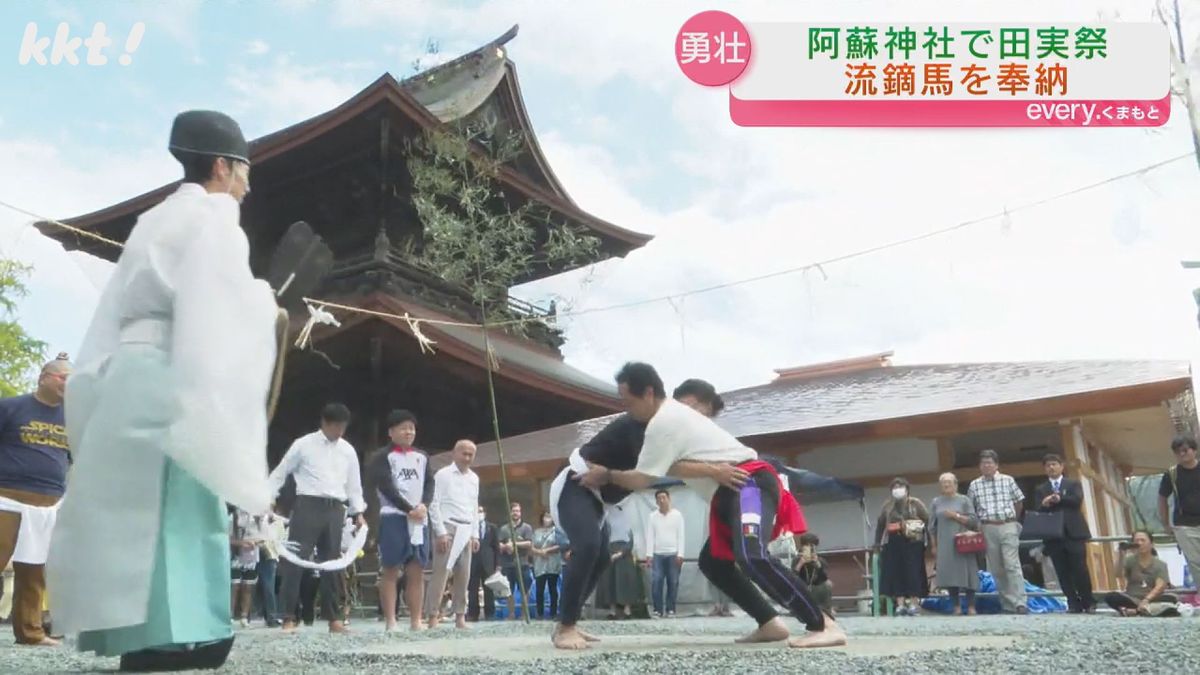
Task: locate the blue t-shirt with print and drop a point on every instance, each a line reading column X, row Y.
column 33, row 446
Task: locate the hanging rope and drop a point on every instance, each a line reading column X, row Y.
column 426, row 344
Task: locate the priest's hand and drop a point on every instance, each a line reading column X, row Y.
column 418, row 512
column 359, row 522
column 474, row 545
column 443, row 543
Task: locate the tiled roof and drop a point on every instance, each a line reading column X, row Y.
column 788, row 405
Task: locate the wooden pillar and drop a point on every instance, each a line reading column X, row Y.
column 945, row 448
column 1075, row 453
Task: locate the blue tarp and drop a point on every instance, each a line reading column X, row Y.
column 1036, row 604
column 813, row 488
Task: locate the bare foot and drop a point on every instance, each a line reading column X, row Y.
column 389, row 626
column 435, row 620
column 460, row 622
column 416, row 626
column 568, row 637
column 832, row 636
column 587, row 636
column 290, row 627
column 45, row 642
column 338, row 627
column 771, row 631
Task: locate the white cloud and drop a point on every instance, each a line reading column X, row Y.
column 284, row 93
column 57, row 183
column 257, row 48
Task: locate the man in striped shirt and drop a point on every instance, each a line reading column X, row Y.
column 997, row 502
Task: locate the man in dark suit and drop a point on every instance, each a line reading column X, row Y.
column 1069, row 554
column 483, row 565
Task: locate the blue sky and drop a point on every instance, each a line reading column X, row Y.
column 208, row 55
column 1093, row 276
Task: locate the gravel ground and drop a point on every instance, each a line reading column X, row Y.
column 1099, row 644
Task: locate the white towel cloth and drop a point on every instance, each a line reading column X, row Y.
column 33, row 535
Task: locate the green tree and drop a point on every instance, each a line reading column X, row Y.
column 20, row 354
column 474, row 236
column 477, row 237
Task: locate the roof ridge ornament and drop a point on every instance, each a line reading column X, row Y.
column 840, row 367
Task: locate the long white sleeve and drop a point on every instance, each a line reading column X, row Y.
column 440, row 488
column 679, row 529
column 650, row 533
column 291, row 459
column 354, row 491
column 222, row 347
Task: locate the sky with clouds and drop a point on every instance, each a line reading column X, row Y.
column 1095, row 275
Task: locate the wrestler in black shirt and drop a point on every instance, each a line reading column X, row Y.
column 616, row 447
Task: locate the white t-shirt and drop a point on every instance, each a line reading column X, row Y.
column 677, row 432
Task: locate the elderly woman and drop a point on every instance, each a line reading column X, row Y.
column 954, row 514
column 902, row 523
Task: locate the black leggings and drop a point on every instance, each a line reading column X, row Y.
column 580, row 515
column 750, row 515
column 544, row 582
column 954, row 596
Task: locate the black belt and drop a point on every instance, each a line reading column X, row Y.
column 327, row 500
column 460, row 522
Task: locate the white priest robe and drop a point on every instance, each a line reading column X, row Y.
column 183, row 286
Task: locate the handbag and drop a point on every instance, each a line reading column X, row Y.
column 914, row 528
column 498, row 584
column 969, row 542
column 1043, row 525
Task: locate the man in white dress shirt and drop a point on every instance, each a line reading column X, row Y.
column 664, row 553
column 325, row 466
column 455, row 506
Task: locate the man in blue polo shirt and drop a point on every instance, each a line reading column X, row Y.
column 33, row 476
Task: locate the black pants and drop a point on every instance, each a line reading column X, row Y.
column 1070, row 564
column 489, row 598
column 306, row 606
column 758, row 501
column 316, row 523
column 543, row 583
column 1119, row 601
column 581, row 514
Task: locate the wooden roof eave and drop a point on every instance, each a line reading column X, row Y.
column 449, row 345
column 516, row 101
column 386, row 88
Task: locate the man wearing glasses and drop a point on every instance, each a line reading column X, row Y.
column 33, row 476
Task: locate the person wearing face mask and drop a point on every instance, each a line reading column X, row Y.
column 547, row 565
column 166, row 414
column 900, row 536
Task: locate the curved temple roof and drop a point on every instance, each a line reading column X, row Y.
column 445, row 93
